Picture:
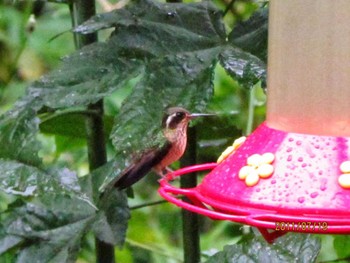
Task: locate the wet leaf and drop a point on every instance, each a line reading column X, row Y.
column 251, row 35
column 98, row 69
column 24, row 180
column 252, row 249
column 111, row 224
column 48, row 227
column 104, row 175
column 112, row 218
column 243, row 66
column 160, row 24
column 62, row 246
column 49, row 222
column 8, row 241
column 17, row 129
column 180, row 80
column 85, row 77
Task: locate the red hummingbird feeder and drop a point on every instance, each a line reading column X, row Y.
column 292, row 174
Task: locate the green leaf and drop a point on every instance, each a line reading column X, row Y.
column 112, row 224
column 85, row 77
column 245, row 67
column 70, row 124
column 289, row 248
column 17, row 131
column 157, row 29
column 183, row 80
column 48, row 227
column 112, row 218
column 245, row 59
column 102, row 176
column 342, row 245
column 179, row 55
column 8, row 241
column 24, row 180
column 62, row 246
column 251, row 35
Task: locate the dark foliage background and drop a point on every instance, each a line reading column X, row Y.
column 206, row 56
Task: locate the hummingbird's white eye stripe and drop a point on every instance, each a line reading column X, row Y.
column 170, row 119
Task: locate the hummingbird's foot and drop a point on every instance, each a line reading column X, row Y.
column 168, row 170
column 169, row 173
column 166, row 173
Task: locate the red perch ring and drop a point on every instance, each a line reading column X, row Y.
column 307, row 190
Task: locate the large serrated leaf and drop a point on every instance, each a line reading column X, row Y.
column 17, row 129
column 85, row 77
column 181, row 80
column 62, row 246
column 54, row 212
column 299, row 248
column 245, row 59
column 170, row 23
column 112, row 218
column 23, row 180
column 8, row 241
column 111, row 225
column 98, row 69
column 245, row 67
column 251, row 35
column 48, row 227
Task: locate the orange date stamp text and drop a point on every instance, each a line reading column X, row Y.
column 301, row 226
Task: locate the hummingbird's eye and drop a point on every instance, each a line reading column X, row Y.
column 171, row 121
column 180, row 114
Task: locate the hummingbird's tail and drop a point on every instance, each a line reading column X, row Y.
column 141, row 167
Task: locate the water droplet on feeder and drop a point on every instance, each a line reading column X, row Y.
column 314, row 194
column 301, row 200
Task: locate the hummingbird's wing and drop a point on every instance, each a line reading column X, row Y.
column 141, row 166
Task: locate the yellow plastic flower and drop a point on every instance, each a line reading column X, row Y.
column 258, row 166
column 231, row 149
column 344, row 178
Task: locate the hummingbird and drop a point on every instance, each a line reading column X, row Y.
column 174, row 126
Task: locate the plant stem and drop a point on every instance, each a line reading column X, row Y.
column 229, row 7
column 190, row 220
column 98, row 157
column 154, row 249
column 148, row 204
column 251, row 108
column 81, row 11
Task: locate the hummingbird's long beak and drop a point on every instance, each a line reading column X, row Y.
column 196, row 115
